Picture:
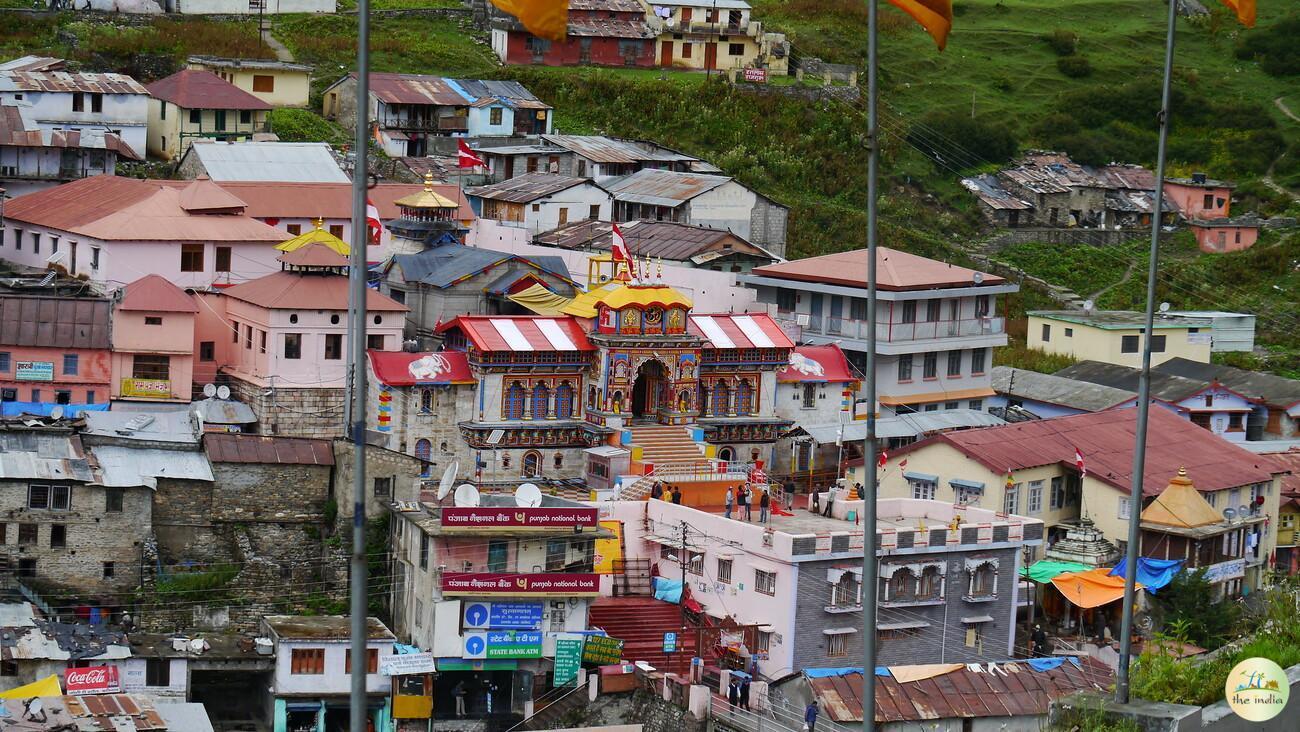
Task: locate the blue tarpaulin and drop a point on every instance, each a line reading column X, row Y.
column 42, row 409
column 1046, row 664
column 668, row 590
column 822, row 673
column 1152, row 573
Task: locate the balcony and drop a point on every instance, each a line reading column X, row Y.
column 722, row 29
column 905, row 332
column 450, row 123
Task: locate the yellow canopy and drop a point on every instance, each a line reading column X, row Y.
column 48, row 686
column 316, row 236
column 540, row 300
column 1181, row 505
column 618, row 295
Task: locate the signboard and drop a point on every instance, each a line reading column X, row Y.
column 609, row 550
column 474, row 645
column 568, row 659
column 92, row 680
column 489, row 583
column 602, row 650
column 147, row 388
column 479, row 517
column 520, row 615
column 757, row 76
column 670, row 642
column 34, row 370
column 1200, row 339
column 1224, row 571
column 409, row 663
column 514, row 644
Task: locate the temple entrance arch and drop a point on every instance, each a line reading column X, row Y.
column 648, row 389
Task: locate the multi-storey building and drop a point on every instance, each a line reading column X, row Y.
column 936, row 325
column 599, row 32
column 191, row 105
column 313, row 666
column 711, row 35
column 32, row 158
column 153, row 342
column 55, row 352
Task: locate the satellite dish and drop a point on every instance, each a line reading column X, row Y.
column 1243, row 511
column 465, row 495
column 223, row 392
column 1087, row 306
column 1164, row 307
column 1229, row 514
column 57, row 411
column 448, row 477
column 209, row 390
column 978, row 278
column 528, row 495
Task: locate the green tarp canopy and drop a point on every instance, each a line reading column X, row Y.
column 1044, row 569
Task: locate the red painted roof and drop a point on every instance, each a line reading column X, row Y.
column 155, row 294
column 196, row 89
column 398, row 368
column 1106, row 440
column 231, row 448
column 270, row 199
column 204, row 196
column 521, row 333
column 739, row 330
column 895, row 270
column 1289, row 460
column 306, row 291
column 817, row 363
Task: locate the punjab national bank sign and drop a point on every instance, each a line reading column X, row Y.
column 548, row 584
column 477, row 518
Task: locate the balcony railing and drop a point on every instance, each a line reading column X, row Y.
column 905, row 332
column 449, row 123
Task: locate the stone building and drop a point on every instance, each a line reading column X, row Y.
column 418, row 401
column 392, row 477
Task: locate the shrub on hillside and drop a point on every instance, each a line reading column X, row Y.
column 1274, row 47
column 990, row 140
column 303, row 125
column 1075, row 67
column 1064, row 42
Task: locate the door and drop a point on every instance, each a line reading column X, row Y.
column 666, row 54
column 711, row 56
column 510, row 168
column 815, row 306
column 837, row 313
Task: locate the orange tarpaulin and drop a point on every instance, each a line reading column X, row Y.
column 1092, row 588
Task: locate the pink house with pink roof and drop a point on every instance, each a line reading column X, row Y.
column 1205, row 204
column 153, row 342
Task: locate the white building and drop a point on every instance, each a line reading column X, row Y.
column 1228, row 331
column 313, row 661
column 280, row 162
column 32, row 158
column 540, row 202
column 60, row 101
column 936, row 324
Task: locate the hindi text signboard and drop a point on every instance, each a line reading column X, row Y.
column 568, row 584
column 602, row 650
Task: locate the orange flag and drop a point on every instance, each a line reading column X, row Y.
column 543, row 18
column 936, row 15
column 1245, row 10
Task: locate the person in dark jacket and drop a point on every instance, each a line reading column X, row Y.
column 764, row 505
column 744, row 694
column 743, row 503
column 810, row 716
column 657, row 491
column 677, row 495
column 733, row 694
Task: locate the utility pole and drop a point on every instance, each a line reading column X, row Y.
column 869, row 566
column 681, row 599
column 357, row 333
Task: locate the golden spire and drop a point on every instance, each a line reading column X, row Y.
column 428, row 182
column 319, row 222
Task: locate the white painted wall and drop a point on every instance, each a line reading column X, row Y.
column 124, row 113
column 726, row 207
column 334, row 681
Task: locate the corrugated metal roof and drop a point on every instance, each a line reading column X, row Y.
column 393, row 88
column 609, row 6
column 34, row 63
column 916, row 425
column 663, row 187
column 128, row 467
column 612, row 28
column 512, row 92
column 234, row 448
column 54, row 322
column 323, row 627
column 280, row 199
column 63, row 81
column 1275, row 391
column 223, row 412
column 1053, row 389
column 198, row 89
column 248, row 63
column 989, row 190
column 445, row 265
column 54, row 455
column 601, row 149
column 528, row 187
column 1164, row 386
column 659, row 239
column 174, row 426
column 1014, row 689
column 114, row 712
column 18, row 129
column 284, row 162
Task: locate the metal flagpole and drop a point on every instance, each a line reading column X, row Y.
column 869, row 467
column 1144, row 380
column 357, row 335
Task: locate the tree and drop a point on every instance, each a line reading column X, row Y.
column 990, row 140
column 1185, row 604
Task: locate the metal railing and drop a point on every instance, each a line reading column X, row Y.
column 906, row 332
column 698, row 470
column 553, row 702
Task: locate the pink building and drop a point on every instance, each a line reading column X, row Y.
column 1217, row 236
column 1200, row 197
column 54, row 350
column 115, row 230
column 153, row 342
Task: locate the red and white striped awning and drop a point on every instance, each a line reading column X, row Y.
column 521, row 333
column 746, row 330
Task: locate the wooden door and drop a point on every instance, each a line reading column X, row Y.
column 711, row 55
column 666, row 55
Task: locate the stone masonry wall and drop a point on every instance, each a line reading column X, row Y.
column 293, row 412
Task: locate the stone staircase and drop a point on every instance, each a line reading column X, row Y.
column 662, row 444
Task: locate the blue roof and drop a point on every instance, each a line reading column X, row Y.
column 443, row 266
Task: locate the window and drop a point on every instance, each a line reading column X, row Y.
column 594, row 211
column 844, row 593
column 557, row 551
column 70, row 364
column 1124, row 506
column 498, row 553
column 932, row 310
column 207, row 351
column 954, row 363
column 151, row 367
column 1158, row 343
column 424, row 550
column 1035, row 497
column 494, row 116
column 931, row 367
column 4, row 361
column 1069, row 332
column 90, row 396
column 837, row 645
column 809, row 396
column 1128, row 344
column 1011, row 499
column 1057, row 499
column 307, row 661
column 36, row 395
column 1047, row 332
column 930, row 586
column 158, row 672
column 94, row 257
column 785, row 300
column 514, row 402
column 375, row 342
column 982, row 306
column 686, row 50
column 333, row 346
column 27, row 567
column 564, row 401
column 96, row 102
column 36, row 242
column 983, row 581
column 372, row 661
column 426, row 400
column 383, row 487
column 695, row 565
column 424, row 453
column 541, row 401
column 263, row 83
column 922, row 489
column 113, row 499
column 977, row 404
column 765, row 582
column 261, row 341
column 1208, row 202
column 152, row 320
column 79, row 105
column 27, row 534
column 58, row 536
column 293, row 345
column 899, row 586
column 191, row 257
column 735, row 49
column 223, row 259
column 220, row 115
column 557, row 617
column 53, row 497
column 977, row 358
column 724, row 570
column 532, row 467
column 909, row 311
column 564, row 215
column 62, row 396
column 110, row 569
column 294, row 229
column 905, row 367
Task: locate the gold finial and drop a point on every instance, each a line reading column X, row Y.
column 660, row 271
column 1182, row 472
column 319, row 222
column 428, row 182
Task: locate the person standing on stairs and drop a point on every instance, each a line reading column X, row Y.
column 657, row 492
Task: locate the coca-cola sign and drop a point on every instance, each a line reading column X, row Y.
column 92, row 680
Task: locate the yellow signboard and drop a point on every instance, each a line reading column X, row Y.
column 608, row 550
column 147, row 388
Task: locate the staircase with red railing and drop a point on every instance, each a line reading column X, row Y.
column 641, row 623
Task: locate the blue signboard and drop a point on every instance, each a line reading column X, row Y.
column 476, row 614
column 670, row 642
column 526, row 615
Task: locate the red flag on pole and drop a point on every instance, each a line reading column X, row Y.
column 620, row 252
column 373, row 224
column 884, row 458
column 467, row 158
column 1078, row 463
